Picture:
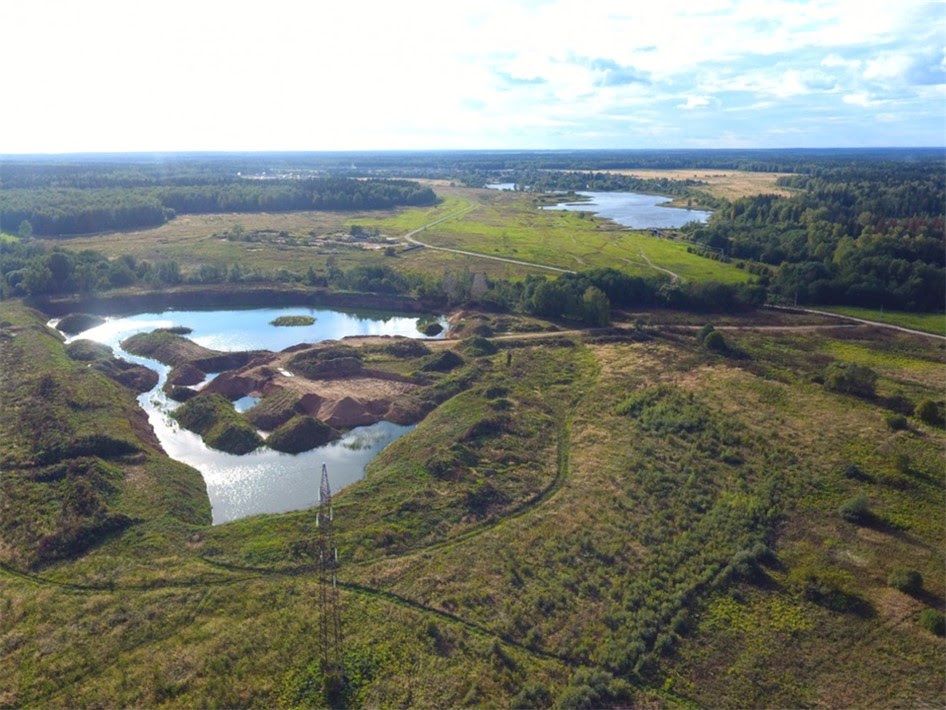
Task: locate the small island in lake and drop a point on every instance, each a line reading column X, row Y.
column 293, row 321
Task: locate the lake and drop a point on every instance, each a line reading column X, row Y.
column 264, row 481
column 633, row 210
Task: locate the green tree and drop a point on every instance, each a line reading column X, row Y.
column 596, row 308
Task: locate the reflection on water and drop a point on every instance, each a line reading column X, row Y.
column 633, row 210
column 245, row 403
column 264, row 481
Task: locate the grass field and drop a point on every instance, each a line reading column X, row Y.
column 927, row 322
column 594, row 520
column 509, row 224
column 498, row 225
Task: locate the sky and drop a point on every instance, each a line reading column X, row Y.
column 195, row 75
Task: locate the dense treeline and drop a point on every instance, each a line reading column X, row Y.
column 28, row 269
column 149, row 169
column 869, row 235
column 50, row 211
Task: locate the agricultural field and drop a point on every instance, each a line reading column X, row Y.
column 586, row 518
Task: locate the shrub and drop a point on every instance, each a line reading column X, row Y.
column 853, row 471
column 908, row 581
column 850, row 378
column 932, row 413
column 531, row 696
column 897, row 422
column 716, row 342
column 856, row 509
column 933, row 621
column 704, row 331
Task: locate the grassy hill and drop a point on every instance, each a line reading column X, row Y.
column 584, row 520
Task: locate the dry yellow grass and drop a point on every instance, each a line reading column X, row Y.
column 729, row 184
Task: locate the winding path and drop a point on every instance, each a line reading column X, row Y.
column 862, row 321
column 410, row 238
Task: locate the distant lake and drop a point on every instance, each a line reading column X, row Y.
column 263, row 481
column 633, row 210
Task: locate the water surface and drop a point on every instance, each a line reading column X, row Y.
column 633, row 210
column 263, row 481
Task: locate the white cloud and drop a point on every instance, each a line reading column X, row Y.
column 835, row 60
column 888, row 66
column 693, row 102
column 861, row 98
column 287, row 74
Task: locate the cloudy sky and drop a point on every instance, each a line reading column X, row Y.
column 121, row 75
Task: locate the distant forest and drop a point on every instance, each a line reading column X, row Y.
column 863, row 227
column 869, row 235
column 51, row 199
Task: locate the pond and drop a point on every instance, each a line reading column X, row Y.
column 633, row 210
column 264, row 481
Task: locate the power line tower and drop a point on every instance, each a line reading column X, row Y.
column 330, row 623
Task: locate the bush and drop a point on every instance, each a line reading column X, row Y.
column 704, row 331
column 897, row 422
column 933, row 621
column 716, row 342
column 853, row 471
column 908, row 581
column 850, row 378
column 856, row 510
column 932, row 413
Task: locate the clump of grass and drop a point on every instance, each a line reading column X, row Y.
column 906, row 580
column 444, row 361
column 478, row 346
column 933, row 621
column 856, row 510
column 932, row 413
column 88, row 350
column 897, row 422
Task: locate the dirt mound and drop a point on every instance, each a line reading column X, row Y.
column 236, row 384
column 346, row 413
column 185, row 375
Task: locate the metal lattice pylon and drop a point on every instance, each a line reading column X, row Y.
column 330, row 623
